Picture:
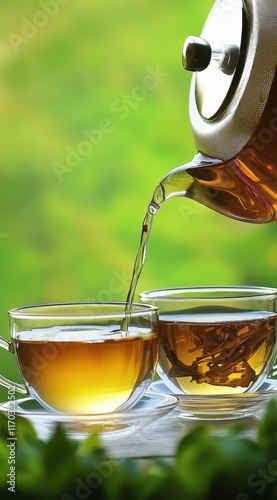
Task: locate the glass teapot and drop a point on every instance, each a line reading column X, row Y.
column 233, row 113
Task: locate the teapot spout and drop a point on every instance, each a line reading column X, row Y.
column 228, row 187
column 179, row 181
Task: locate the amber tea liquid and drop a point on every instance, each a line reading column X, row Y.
column 218, row 351
column 85, row 376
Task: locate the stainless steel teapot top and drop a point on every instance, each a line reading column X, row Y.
column 233, row 113
column 234, row 63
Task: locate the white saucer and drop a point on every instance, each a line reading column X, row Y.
column 151, row 407
column 220, row 407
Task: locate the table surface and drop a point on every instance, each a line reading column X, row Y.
column 161, row 437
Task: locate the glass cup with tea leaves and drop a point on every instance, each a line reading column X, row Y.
column 75, row 358
column 215, row 340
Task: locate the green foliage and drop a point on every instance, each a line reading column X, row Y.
column 205, row 466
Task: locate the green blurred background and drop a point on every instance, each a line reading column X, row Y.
column 70, row 233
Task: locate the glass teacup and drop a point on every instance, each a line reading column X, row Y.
column 75, row 358
column 215, row 340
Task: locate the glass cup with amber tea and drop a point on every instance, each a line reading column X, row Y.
column 75, row 358
column 215, row 340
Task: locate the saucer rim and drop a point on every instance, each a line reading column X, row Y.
column 167, row 403
column 159, row 387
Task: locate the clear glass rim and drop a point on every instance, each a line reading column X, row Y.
column 99, row 310
column 179, row 294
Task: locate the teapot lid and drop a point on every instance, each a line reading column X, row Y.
column 234, row 62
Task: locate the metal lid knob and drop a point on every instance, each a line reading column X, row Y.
column 197, row 54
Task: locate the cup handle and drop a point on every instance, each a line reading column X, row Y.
column 5, row 382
